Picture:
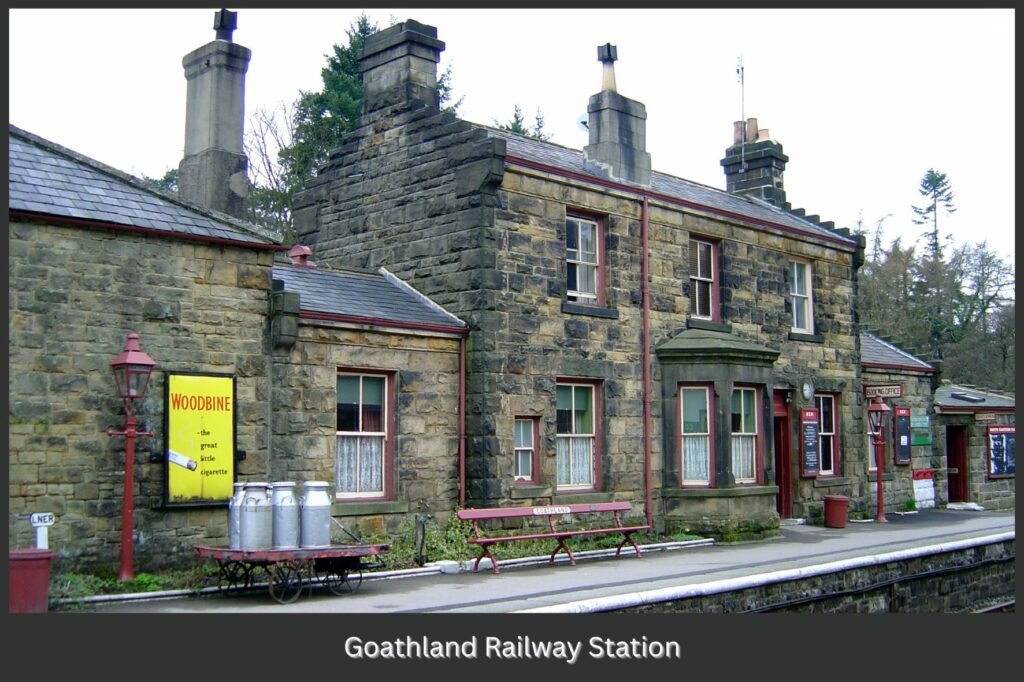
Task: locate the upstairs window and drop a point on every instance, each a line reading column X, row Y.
column 582, row 261
column 800, row 296
column 703, row 282
column 361, row 435
column 743, row 435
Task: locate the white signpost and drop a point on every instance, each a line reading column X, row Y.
column 41, row 521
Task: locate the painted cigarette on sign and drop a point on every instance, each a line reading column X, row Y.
column 181, row 460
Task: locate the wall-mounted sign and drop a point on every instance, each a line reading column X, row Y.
column 920, row 421
column 985, row 417
column 200, row 428
column 888, row 391
column 809, row 442
column 1002, row 451
column 901, row 434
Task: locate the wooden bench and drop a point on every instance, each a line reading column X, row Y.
column 551, row 514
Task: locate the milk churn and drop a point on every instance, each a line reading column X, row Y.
column 235, row 517
column 316, row 515
column 286, row 515
column 256, row 519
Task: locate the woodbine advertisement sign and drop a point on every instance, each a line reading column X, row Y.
column 200, row 428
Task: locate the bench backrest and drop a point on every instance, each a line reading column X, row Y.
column 541, row 511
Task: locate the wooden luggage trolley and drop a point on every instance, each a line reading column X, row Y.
column 288, row 571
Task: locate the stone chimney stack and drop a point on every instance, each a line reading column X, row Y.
column 213, row 172
column 399, row 66
column 754, row 164
column 618, row 128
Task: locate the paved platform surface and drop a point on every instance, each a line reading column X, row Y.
column 539, row 587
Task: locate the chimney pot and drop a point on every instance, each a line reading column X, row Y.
column 299, row 255
column 751, row 133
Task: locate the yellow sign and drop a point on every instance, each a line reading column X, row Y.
column 200, row 438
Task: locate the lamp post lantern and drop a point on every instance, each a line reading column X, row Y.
column 132, row 369
column 877, row 410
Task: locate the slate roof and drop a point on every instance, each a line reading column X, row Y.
column 955, row 396
column 573, row 160
column 373, row 296
column 874, row 350
column 46, row 178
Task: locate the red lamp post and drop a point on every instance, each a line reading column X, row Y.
column 132, row 369
column 877, row 410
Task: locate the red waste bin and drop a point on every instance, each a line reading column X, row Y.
column 28, row 580
column 835, row 511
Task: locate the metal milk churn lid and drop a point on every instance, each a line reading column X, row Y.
column 235, row 517
column 316, row 515
column 256, row 517
column 286, row 515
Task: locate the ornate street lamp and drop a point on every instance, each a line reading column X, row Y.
column 132, row 369
column 877, row 412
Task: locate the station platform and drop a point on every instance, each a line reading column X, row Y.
column 602, row 583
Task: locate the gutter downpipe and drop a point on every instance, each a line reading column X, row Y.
column 462, row 420
column 645, row 336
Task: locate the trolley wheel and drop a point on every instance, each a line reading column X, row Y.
column 333, row 574
column 285, row 582
column 234, row 574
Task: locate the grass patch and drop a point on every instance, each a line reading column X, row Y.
column 410, row 548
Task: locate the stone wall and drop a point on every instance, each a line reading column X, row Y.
column 430, row 198
column 425, row 370
column 990, row 493
column 74, row 296
column 898, row 479
column 947, row 582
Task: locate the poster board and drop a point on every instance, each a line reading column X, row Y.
column 901, row 434
column 1002, row 451
column 810, row 462
column 199, row 462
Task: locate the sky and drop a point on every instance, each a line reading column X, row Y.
column 864, row 102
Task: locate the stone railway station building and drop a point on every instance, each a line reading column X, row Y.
column 470, row 318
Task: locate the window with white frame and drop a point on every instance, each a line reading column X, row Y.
column 696, row 435
column 702, row 279
column 582, row 260
column 361, row 435
column 575, row 431
column 800, row 278
column 828, row 445
column 525, row 447
column 743, row 435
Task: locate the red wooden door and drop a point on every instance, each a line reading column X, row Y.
column 783, row 462
column 956, row 463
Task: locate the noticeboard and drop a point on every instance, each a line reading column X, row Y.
column 810, row 460
column 1002, row 451
column 901, row 434
column 200, row 450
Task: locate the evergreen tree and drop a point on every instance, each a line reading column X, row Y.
column 286, row 147
column 935, row 188
column 518, row 126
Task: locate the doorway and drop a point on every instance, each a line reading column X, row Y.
column 956, row 463
column 783, row 474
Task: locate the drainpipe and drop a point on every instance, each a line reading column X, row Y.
column 645, row 339
column 462, row 420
